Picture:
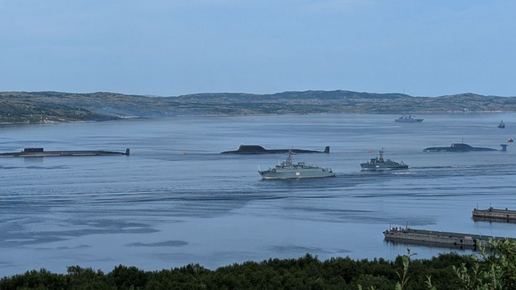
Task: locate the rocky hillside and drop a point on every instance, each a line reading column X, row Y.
column 34, row 107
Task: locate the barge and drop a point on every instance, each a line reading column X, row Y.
column 438, row 238
column 40, row 152
column 494, row 215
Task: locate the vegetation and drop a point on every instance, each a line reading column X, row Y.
column 493, row 271
column 35, row 107
column 303, row 273
column 20, row 111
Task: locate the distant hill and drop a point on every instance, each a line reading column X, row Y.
column 35, row 107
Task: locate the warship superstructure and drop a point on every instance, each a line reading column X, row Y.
column 378, row 163
column 290, row 170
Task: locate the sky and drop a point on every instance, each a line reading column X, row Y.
column 176, row 47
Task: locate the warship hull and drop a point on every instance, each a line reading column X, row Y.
column 408, row 120
column 371, row 167
column 295, row 174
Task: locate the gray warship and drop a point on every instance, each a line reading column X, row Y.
column 289, row 170
column 409, row 119
column 379, row 163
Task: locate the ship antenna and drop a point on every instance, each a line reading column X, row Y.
column 288, row 161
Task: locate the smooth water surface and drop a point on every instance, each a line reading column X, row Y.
column 161, row 208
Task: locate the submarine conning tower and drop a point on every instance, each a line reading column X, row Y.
column 504, row 147
column 251, row 148
column 127, row 152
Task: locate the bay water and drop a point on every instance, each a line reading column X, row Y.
column 175, row 200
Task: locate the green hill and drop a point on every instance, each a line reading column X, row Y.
column 34, row 107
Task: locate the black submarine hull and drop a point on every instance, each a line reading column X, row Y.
column 457, row 147
column 448, row 149
column 39, row 152
column 257, row 149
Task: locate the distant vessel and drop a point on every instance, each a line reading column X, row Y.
column 256, row 149
column 379, row 163
column 409, row 119
column 39, row 152
column 457, row 147
column 510, row 140
column 289, row 170
column 501, row 125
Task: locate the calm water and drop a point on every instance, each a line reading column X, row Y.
column 159, row 208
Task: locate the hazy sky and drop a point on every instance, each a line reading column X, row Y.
column 173, row 47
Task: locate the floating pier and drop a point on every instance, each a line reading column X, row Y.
column 438, row 238
column 39, row 152
column 494, row 215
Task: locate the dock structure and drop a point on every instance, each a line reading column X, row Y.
column 438, row 238
column 494, row 215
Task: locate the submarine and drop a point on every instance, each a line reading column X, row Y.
column 40, row 152
column 459, row 147
column 257, row 149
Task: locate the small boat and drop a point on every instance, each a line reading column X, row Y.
column 501, row 125
column 510, row 140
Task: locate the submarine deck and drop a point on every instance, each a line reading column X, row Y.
column 64, row 153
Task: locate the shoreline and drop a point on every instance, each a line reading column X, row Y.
column 118, row 118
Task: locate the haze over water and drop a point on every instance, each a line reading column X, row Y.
column 160, row 208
